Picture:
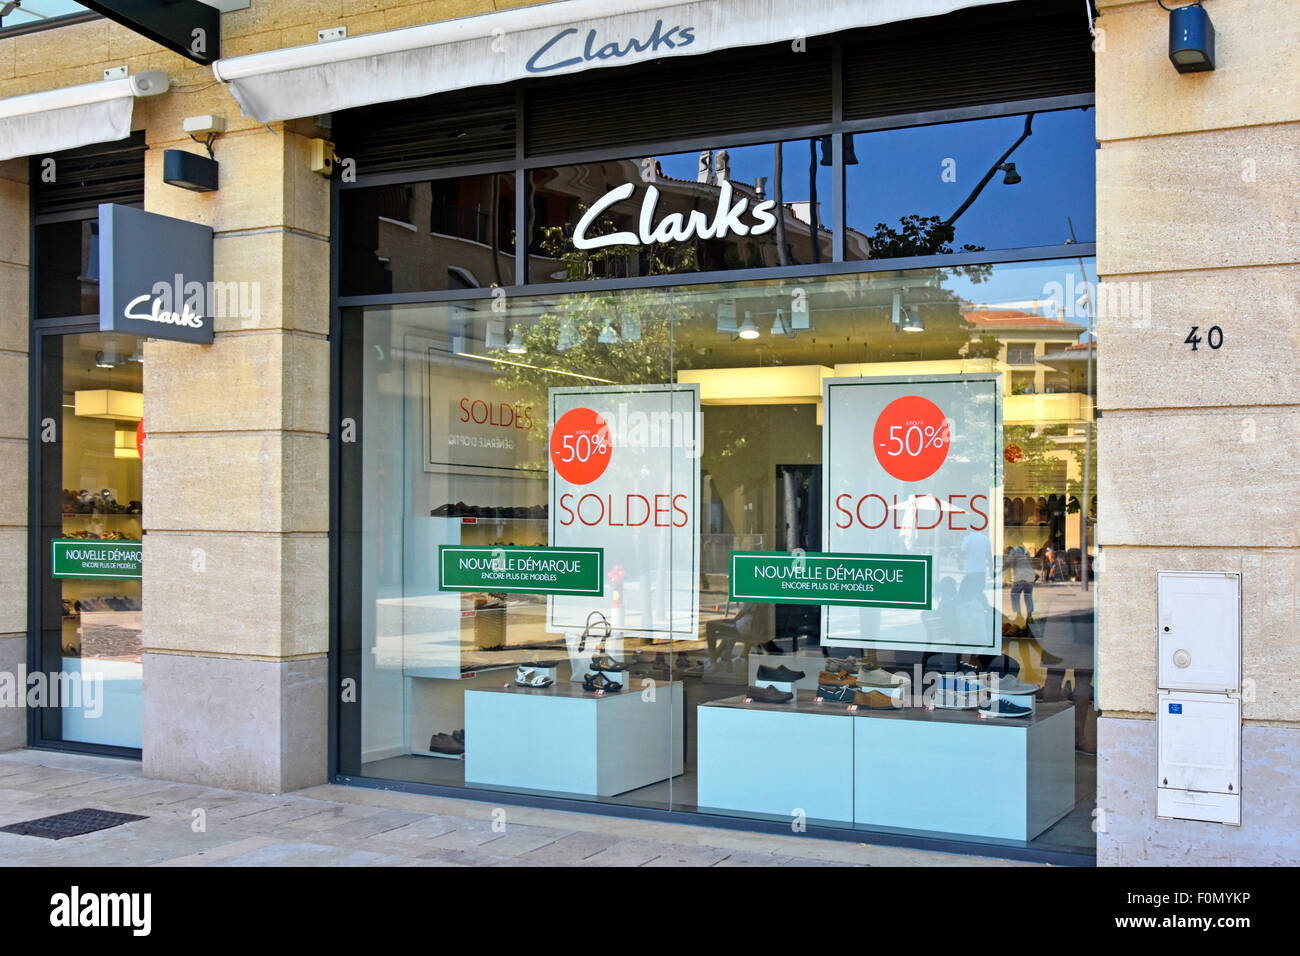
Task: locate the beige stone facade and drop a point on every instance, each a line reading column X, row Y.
column 1197, row 201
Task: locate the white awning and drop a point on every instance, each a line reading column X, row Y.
column 73, row 116
column 549, row 39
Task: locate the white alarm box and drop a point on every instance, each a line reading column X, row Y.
column 1199, row 762
column 1199, row 631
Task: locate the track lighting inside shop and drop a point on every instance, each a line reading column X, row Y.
column 912, row 321
column 110, row 357
column 568, row 336
column 630, row 327
column 516, row 344
column 749, row 328
column 607, row 334
column 779, row 326
column 1191, row 39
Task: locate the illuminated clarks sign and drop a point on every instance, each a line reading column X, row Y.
column 155, row 277
column 728, row 219
column 551, row 55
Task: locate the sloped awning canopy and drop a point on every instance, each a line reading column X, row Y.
column 548, row 39
column 73, row 116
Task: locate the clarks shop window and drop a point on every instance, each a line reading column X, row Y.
column 713, row 209
column 610, row 546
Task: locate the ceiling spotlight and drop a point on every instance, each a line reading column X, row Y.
column 568, row 336
column 1012, row 177
column 912, row 321
column 138, row 355
column 516, row 344
column 749, row 328
column 607, row 335
column 780, row 326
column 1191, row 39
column 110, row 357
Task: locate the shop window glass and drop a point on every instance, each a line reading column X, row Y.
column 67, row 274
column 91, row 534
column 442, row 234
column 460, row 411
column 930, row 190
column 785, row 189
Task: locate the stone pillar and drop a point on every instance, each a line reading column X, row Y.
column 236, row 483
column 15, row 246
column 1197, row 210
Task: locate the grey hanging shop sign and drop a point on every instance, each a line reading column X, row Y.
column 156, row 276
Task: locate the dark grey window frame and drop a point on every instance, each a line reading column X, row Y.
column 521, row 166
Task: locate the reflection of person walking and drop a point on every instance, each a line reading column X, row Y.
column 1022, row 581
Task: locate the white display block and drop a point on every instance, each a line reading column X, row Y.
column 951, row 771
column 910, row 768
column 776, row 759
column 564, row 739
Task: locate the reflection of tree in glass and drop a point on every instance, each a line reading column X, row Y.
column 608, row 261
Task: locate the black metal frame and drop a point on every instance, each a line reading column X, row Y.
column 521, row 166
column 38, row 330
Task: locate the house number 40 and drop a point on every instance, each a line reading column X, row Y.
column 1213, row 338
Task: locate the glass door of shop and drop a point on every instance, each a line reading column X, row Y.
column 87, row 539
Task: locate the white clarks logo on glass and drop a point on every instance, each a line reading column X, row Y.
column 727, row 220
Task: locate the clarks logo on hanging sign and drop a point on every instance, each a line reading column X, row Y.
column 676, row 227
column 155, row 277
column 659, row 41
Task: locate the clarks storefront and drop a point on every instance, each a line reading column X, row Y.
column 718, row 434
column 686, row 412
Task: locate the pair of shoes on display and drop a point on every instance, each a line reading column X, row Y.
column 782, row 674
column 1013, row 686
column 768, row 695
column 1000, row 707
column 597, row 681
column 875, row 700
column 879, row 677
column 838, row 687
column 452, row 743
column 532, row 675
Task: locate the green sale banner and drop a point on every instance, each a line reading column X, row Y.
column 858, row 580
column 90, row 558
column 523, row 570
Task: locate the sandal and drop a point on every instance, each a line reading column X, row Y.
column 594, row 682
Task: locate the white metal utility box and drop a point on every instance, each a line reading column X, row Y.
column 1198, row 715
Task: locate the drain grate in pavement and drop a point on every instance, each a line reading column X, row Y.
column 73, row 823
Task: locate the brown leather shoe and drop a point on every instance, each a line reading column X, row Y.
column 874, row 700
column 840, row 679
column 768, row 695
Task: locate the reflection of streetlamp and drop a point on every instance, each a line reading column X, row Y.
column 1010, row 179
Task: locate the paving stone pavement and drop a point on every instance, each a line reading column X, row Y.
column 332, row 825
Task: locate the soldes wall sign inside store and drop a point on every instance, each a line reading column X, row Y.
column 155, row 275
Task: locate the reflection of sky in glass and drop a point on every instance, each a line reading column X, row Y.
column 34, row 11
column 899, row 172
column 750, row 162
